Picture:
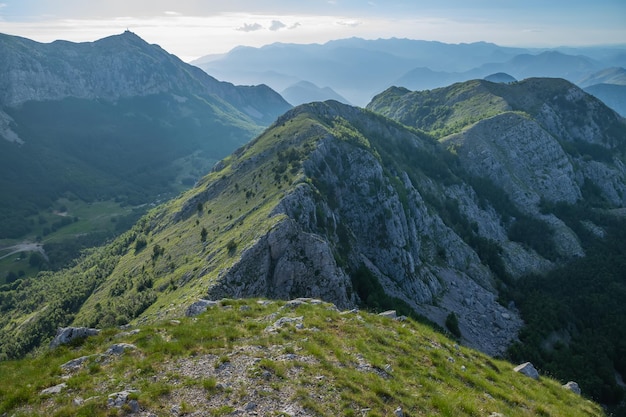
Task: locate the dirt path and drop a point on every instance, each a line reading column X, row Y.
column 24, row 247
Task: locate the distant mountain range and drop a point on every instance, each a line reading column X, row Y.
column 357, row 69
column 112, row 119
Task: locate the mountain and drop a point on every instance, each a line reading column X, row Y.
column 613, row 95
column 425, row 79
column 358, row 69
column 262, row 357
column 306, row 92
column 545, row 64
column 615, row 75
column 354, row 68
column 500, row 77
column 112, row 119
column 511, row 182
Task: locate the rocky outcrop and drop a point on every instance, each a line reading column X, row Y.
column 286, row 263
column 516, row 153
column 573, row 386
column 66, row 335
column 527, row 369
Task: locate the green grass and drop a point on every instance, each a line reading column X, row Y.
column 342, row 364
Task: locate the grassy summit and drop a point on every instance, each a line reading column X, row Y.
column 277, row 358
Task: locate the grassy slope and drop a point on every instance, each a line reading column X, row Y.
column 150, row 268
column 335, row 364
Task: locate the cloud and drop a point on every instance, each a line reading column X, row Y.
column 249, row 27
column 294, row 26
column 171, row 13
column 349, row 22
column 277, row 25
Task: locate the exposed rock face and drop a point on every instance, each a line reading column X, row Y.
column 354, row 212
column 285, row 263
column 68, row 334
column 362, row 221
column 520, row 156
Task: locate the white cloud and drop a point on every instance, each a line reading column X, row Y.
column 171, row 13
column 249, row 27
column 277, row 25
column 294, row 26
column 348, row 22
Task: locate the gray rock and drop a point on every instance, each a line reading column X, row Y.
column 119, row 348
column 250, row 406
column 527, row 369
column 389, row 314
column 573, row 386
column 77, row 363
column 118, row 399
column 199, row 307
column 278, row 324
column 398, row 412
column 67, row 334
column 54, row 390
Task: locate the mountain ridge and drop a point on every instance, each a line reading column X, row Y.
column 352, row 206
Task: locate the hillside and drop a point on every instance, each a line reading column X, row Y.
column 614, row 95
column 115, row 119
column 346, row 205
column 259, row 357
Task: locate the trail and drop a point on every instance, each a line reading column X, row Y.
column 24, row 247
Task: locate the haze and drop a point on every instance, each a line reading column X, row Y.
column 190, row 28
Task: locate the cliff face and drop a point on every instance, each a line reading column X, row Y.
column 441, row 232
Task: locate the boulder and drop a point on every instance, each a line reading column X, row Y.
column 119, row 348
column 390, row 314
column 119, row 399
column 572, row 386
column 199, row 307
column 66, row 334
column 527, row 369
column 54, row 390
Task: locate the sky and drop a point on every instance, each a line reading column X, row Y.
column 193, row 28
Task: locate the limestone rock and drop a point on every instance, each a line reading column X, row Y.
column 119, row 348
column 77, row 363
column 573, row 386
column 389, row 314
column 66, row 334
column 54, row 390
column 527, row 369
column 119, row 399
column 199, row 307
